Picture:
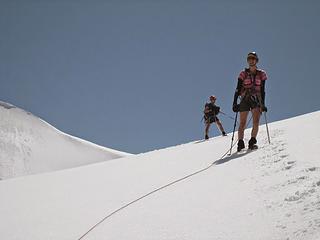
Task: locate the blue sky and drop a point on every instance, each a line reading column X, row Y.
column 134, row 75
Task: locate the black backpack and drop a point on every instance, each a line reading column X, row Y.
column 214, row 110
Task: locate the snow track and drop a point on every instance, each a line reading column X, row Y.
column 157, row 190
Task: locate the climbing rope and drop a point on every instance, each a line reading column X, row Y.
column 158, row 189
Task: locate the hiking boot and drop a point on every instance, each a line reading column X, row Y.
column 252, row 143
column 224, row 133
column 240, row 145
column 206, row 137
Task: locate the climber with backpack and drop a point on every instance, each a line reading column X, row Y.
column 251, row 90
column 211, row 110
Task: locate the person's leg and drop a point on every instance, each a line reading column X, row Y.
column 220, row 127
column 207, row 129
column 243, row 122
column 256, row 119
column 255, row 128
column 242, row 126
column 244, row 109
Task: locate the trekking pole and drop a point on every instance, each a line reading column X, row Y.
column 265, row 118
column 234, row 128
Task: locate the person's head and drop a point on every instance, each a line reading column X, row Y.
column 212, row 98
column 252, row 59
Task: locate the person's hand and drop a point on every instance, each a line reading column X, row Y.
column 235, row 107
column 264, row 109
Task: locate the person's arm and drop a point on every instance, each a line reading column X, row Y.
column 207, row 109
column 237, row 92
column 216, row 110
column 263, row 93
column 235, row 105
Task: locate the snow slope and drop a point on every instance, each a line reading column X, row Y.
column 272, row 193
column 29, row 145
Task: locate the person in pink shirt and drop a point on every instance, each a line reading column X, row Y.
column 251, row 90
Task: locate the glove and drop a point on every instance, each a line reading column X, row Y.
column 235, row 107
column 264, row 109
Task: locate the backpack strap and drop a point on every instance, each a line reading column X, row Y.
column 247, row 73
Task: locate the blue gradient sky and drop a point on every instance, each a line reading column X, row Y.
column 134, row 75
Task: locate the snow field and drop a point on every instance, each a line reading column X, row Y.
column 270, row 193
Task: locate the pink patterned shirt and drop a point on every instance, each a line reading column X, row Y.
column 252, row 82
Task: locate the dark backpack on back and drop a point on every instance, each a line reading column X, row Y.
column 214, row 110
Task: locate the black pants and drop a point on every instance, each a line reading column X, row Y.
column 248, row 103
column 211, row 119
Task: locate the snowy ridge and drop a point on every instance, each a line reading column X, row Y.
column 30, row 145
column 271, row 193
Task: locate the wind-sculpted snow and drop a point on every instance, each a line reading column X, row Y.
column 29, row 145
column 272, row 193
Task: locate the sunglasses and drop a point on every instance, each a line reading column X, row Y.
column 251, row 58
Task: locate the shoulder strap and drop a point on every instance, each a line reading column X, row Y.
column 246, row 71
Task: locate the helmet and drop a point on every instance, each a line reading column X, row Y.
column 212, row 97
column 253, row 54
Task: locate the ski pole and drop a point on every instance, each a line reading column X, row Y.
column 265, row 118
column 234, row 128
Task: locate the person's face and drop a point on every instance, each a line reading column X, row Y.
column 212, row 100
column 252, row 61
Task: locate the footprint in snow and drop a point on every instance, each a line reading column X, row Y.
column 296, row 180
column 281, row 226
column 288, row 167
column 290, row 164
column 299, row 195
column 302, row 178
column 312, row 190
column 312, row 169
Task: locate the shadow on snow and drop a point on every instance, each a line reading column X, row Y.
column 231, row 157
